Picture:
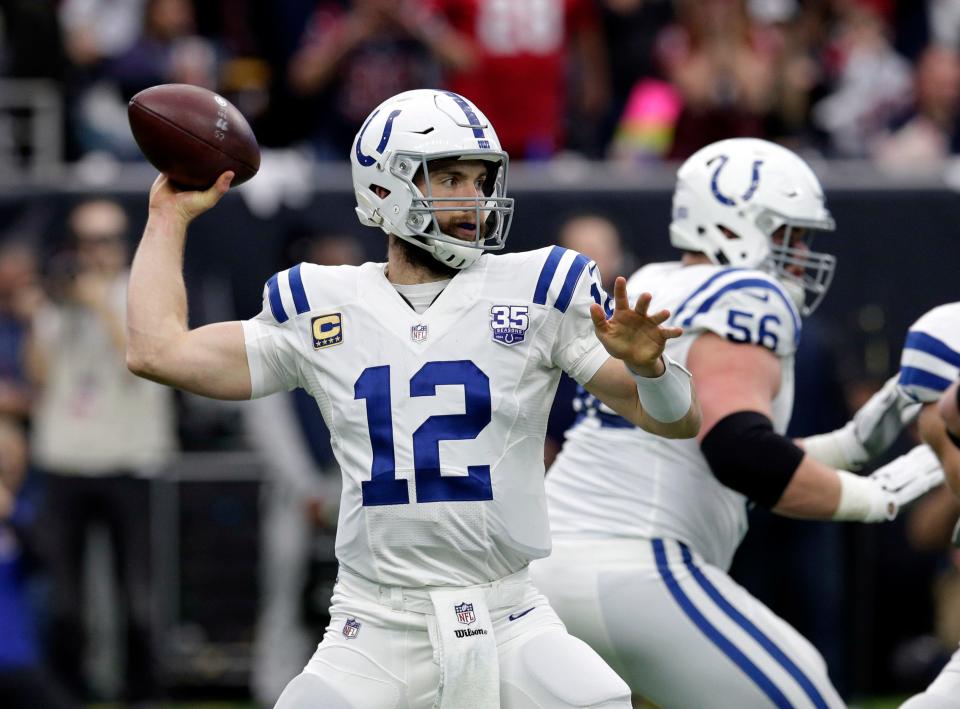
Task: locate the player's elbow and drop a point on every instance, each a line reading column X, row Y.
column 143, row 364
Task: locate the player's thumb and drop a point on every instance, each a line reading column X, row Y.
column 598, row 316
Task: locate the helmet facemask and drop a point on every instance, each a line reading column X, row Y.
column 805, row 273
column 492, row 213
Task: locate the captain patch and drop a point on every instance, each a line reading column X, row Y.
column 327, row 330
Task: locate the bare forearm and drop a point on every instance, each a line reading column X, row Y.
column 156, row 297
column 813, row 492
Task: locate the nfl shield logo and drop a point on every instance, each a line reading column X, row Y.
column 351, row 628
column 418, row 333
column 465, row 613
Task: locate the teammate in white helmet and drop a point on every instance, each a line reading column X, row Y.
column 434, row 372
column 929, row 367
column 650, row 526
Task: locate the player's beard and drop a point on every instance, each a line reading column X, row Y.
column 423, row 259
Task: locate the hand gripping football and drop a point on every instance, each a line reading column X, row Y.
column 193, row 135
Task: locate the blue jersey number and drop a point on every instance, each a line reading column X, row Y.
column 745, row 328
column 383, row 488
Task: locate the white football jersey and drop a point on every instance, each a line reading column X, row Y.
column 613, row 479
column 931, row 354
column 437, row 420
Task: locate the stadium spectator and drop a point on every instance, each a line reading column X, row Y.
column 722, row 63
column 630, row 29
column 24, row 681
column 925, row 136
column 867, row 81
column 98, row 431
column 355, row 54
column 522, row 53
column 20, row 295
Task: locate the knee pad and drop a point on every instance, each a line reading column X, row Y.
column 560, row 670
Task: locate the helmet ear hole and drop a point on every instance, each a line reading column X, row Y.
column 380, row 191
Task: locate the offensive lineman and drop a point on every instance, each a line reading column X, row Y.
column 929, row 367
column 434, row 373
column 651, row 526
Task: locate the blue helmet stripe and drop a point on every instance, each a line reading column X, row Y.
column 923, row 342
column 469, row 113
column 912, row 376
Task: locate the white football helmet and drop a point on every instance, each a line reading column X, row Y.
column 731, row 197
column 397, row 141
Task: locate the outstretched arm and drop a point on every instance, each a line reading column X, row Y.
column 211, row 360
column 647, row 394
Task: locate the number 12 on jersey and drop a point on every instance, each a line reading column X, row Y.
column 373, row 386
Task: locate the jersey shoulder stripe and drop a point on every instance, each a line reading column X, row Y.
column 701, row 288
column 731, row 280
column 562, row 261
column 285, row 289
column 299, row 294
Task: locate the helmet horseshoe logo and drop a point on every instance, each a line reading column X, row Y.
column 715, row 189
column 367, row 160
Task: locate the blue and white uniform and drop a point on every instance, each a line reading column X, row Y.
column 651, row 531
column 437, row 421
column 930, row 363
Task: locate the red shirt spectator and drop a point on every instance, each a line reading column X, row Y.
column 519, row 71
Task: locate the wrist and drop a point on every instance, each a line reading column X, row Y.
column 838, row 449
column 862, row 500
column 650, row 370
column 667, row 397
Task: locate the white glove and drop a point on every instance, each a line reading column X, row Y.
column 880, row 496
column 872, row 430
column 911, row 475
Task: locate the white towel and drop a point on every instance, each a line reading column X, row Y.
column 466, row 650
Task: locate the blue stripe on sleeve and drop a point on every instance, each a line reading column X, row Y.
column 276, row 305
column 913, row 376
column 713, row 634
column 299, row 294
column 749, row 283
column 930, row 345
column 547, row 273
column 753, row 631
column 703, row 286
column 570, row 283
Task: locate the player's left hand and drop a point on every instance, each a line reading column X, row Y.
column 911, row 475
column 632, row 334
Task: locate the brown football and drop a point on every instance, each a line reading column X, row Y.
column 193, row 135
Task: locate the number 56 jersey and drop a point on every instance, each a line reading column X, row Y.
column 437, row 420
column 612, row 479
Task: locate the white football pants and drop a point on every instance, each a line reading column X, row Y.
column 388, row 661
column 681, row 632
column 943, row 692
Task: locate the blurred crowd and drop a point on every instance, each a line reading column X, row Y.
column 632, row 80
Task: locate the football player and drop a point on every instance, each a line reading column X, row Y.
column 434, row 372
column 650, row 525
column 929, row 367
